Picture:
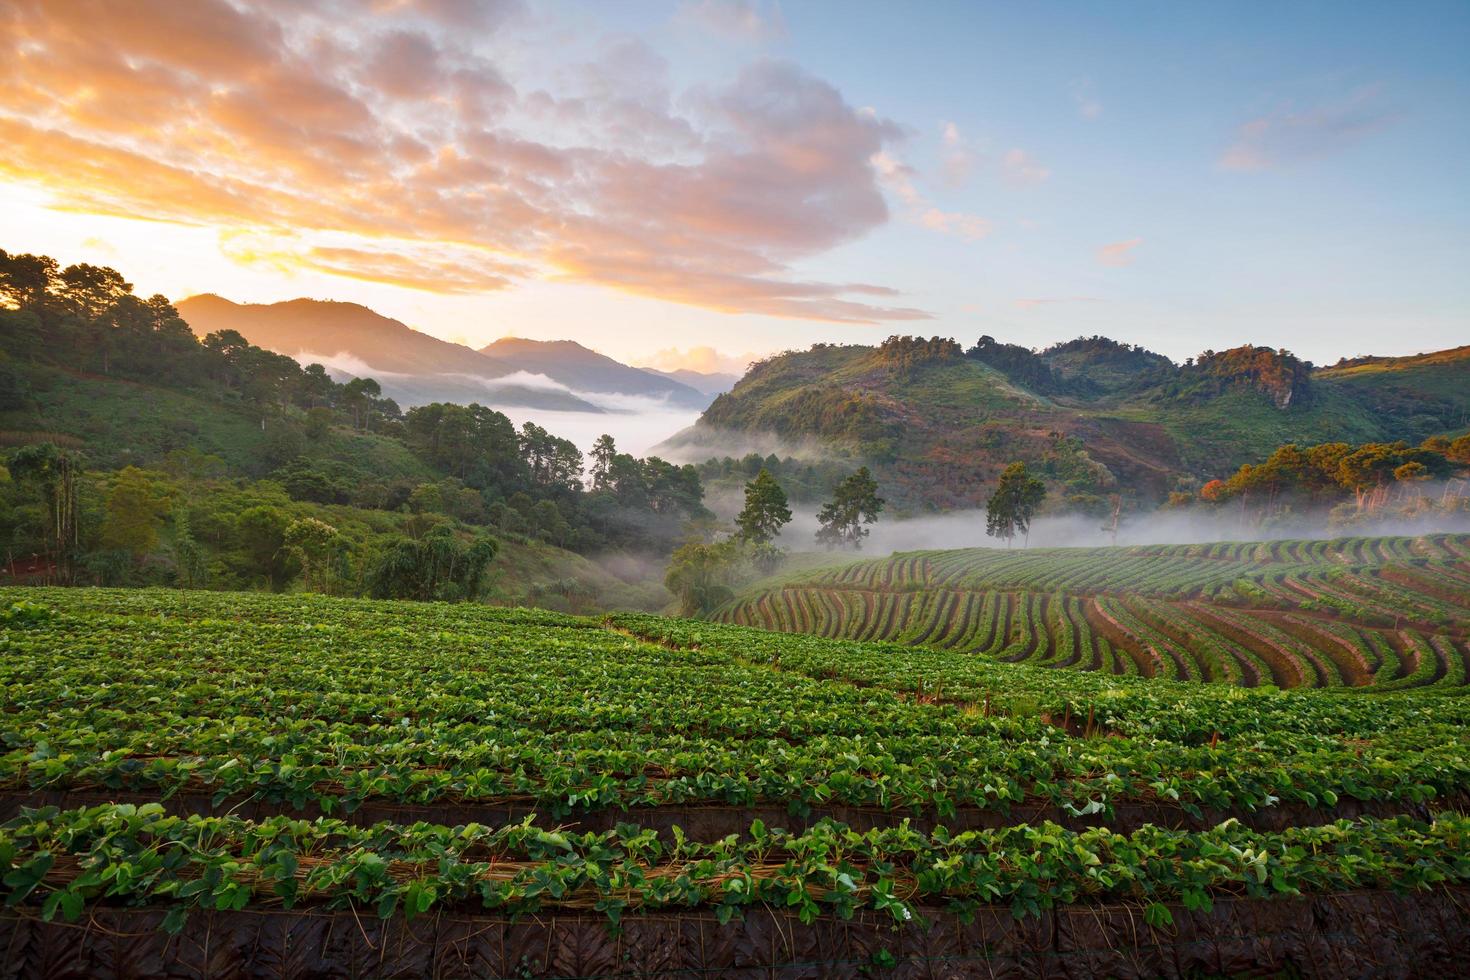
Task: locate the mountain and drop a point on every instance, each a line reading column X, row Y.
column 581, row 369
column 710, row 383
column 1094, row 416
column 413, row 368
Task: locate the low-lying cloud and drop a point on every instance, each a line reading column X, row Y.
column 966, row 529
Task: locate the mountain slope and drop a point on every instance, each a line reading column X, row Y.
column 581, row 369
column 939, row 423
column 412, row 367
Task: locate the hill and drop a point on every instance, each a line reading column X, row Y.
column 134, row 451
column 582, row 370
column 1093, row 416
column 315, row 780
column 1385, row 612
column 413, row 368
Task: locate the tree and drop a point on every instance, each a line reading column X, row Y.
column 315, row 544
column 134, row 512
column 437, row 566
column 357, row 397
column 189, row 557
column 699, row 575
column 855, row 503
column 1013, row 504
column 57, row 474
column 603, row 451
column 261, row 532
column 765, row 510
column 26, row 279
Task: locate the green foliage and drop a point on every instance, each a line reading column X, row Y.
column 142, row 855
column 855, row 503
column 135, row 507
column 310, row 700
column 1020, row 364
column 765, row 511
column 700, row 575
column 1014, row 502
column 317, row 547
column 436, row 566
column 936, row 434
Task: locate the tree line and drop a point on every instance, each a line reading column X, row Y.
column 1356, row 481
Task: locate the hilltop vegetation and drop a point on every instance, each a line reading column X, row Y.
column 939, row 422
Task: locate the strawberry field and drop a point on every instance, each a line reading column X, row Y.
column 1381, row 613
column 332, row 787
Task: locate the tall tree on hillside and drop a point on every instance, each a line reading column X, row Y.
column 765, row 510
column 57, row 474
column 26, row 279
column 603, row 451
column 1013, row 505
column 855, row 503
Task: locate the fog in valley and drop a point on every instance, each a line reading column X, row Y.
column 637, row 425
column 966, row 528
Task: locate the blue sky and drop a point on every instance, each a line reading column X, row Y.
column 1338, row 244
column 747, row 177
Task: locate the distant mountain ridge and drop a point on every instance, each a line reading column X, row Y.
column 412, row 367
column 584, row 370
column 711, row 383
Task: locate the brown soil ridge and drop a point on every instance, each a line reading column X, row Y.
column 1363, row 933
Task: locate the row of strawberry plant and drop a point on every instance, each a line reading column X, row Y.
column 61, row 863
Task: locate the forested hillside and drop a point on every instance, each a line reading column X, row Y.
column 1093, row 416
column 138, row 453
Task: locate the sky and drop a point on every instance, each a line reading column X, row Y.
column 696, row 182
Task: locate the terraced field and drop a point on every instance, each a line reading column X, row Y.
column 1385, row 613
column 322, row 787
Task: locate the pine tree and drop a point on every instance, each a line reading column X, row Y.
column 855, row 503
column 765, row 510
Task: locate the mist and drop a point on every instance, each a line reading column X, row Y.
column 697, row 443
column 638, row 425
column 966, row 529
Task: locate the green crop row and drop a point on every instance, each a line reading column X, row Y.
column 64, row 862
column 295, row 700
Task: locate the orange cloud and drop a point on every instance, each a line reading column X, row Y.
column 705, row 360
column 392, row 150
